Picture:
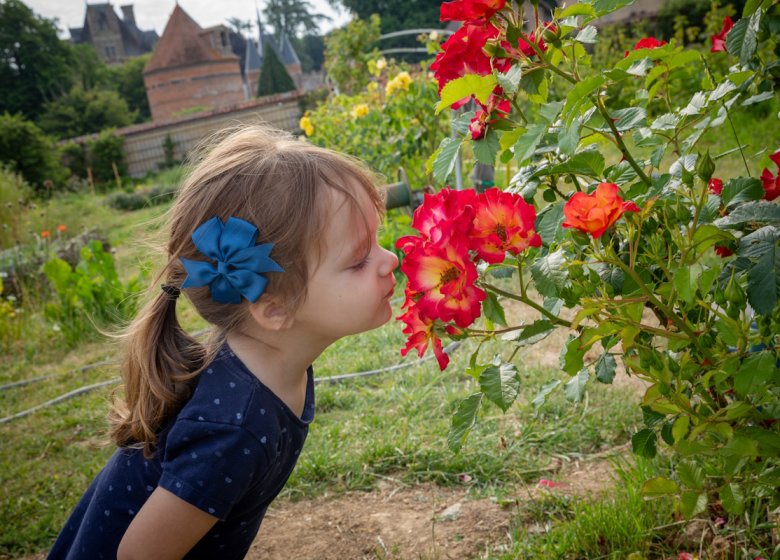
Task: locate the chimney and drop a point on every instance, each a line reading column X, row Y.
column 128, row 15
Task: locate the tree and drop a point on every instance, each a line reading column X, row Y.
column 28, row 151
column 398, row 15
column 311, row 51
column 35, row 66
column 348, row 51
column 88, row 68
column 129, row 81
column 293, row 16
column 274, row 77
column 85, row 111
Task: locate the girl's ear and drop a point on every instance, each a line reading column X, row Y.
column 270, row 313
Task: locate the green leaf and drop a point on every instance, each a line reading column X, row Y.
column 587, row 35
column 446, row 158
column 762, row 212
column 510, row 80
column 732, row 498
column 667, row 121
column 605, row 368
column 742, row 39
column 708, row 235
column 604, row 7
column 579, row 95
column 492, row 309
column 500, row 384
column 569, row 137
column 754, row 373
column 644, row 443
column 463, row 420
column 750, row 7
column 659, row 486
column 692, row 504
column 527, row 143
column 544, row 392
column 533, row 333
column 576, row 10
column 572, row 355
column 535, row 85
column 758, row 98
column 550, row 273
column 764, row 276
column 691, row 474
column 680, row 428
column 574, row 389
column 485, row 150
column 742, row 189
column 548, row 222
column 686, row 280
column 629, row 118
column 589, row 163
column 471, row 84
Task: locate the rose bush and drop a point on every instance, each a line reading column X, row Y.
column 619, row 228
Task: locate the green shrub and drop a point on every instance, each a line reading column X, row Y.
column 90, row 295
column 29, row 151
column 105, row 153
column 274, row 77
column 74, row 157
column 141, row 199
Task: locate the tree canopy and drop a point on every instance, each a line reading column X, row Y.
column 293, row 17
column 35, row 66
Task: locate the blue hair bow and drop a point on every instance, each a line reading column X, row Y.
column 240, row 263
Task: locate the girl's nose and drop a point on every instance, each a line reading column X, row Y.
column 389, row 262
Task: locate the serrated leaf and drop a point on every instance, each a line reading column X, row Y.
column 510, row 80
column 640, row 68
column 574, row 389
column 691, row 474
column 723, row 89
column 754, row 373
column 686, row 280
column 471, row 84
column 605, row 368
column 589, row 163
column 758, row 98
column 533, row 333
column 492, row 309
column 571, row 358
column 761, row 212
column 742, row 39
column 576, row 10
column 695, row 105
column 732, row 498
column 604, row 7
column 446, row 158
column 659, row 486
column 485, row 149
column 667, row 121
column 544, row 392
column 742, row 189
column 548, row 223
column 500, row 384
column 463, row 420
column 644, row 443
column 680, row 427
column 692, row 504
column 587, row 34
column 527, row 143
column 550, row 273
column 763, row 288
column 630, row 117
column 579, row 95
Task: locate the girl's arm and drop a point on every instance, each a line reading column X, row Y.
column 165, row 528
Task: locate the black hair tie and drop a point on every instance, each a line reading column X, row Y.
column 172, row 291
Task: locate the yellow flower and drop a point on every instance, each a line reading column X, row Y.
column 360, row 110
column 305, row 124
column 401, row 81
column 381, row 64
column 372, row 87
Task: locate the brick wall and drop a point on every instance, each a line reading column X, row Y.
column 216, row 84
column 143, row 146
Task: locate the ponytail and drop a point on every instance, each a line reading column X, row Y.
column 161, row 362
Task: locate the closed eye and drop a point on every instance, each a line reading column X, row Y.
column 361, row 265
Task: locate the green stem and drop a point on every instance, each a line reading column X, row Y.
column 739, row 144
column 529, row 302
column 621, row 145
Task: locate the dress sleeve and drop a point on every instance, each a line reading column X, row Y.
column 212, row 465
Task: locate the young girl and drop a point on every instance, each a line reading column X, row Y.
column 273, row 240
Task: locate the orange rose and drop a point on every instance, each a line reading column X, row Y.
column 61, row 228
column 594, row 213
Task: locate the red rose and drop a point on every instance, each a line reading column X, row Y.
column 723, row 252
column 719, row 39
column 647, row 43
column 470, row 10
column 772, row 182
column 715, row 186
column 594, row 213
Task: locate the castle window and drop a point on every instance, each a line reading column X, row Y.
column 224, row 38
column 110, row 52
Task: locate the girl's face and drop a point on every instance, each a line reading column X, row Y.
column 349, row 292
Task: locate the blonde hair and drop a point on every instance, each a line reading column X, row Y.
column 268, row 178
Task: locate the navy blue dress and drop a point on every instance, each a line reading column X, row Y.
column 229, row 452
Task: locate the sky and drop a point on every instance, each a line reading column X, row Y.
column 153, row 14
